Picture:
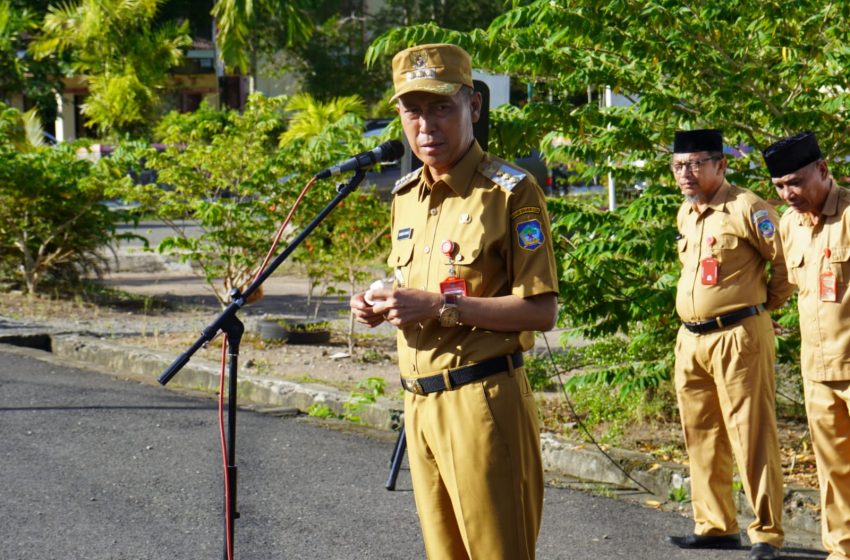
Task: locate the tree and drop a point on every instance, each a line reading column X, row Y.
column 354, row 237
column 331, row 62
column 758, row 70
column 19, row 72
column 126, row 60
column 219, row 170
column 237, row 175
column 247, row 27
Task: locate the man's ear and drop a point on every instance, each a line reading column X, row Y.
column 724, row 164
column 475, row 106
column 823, row 169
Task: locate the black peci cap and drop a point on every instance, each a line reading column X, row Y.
column 790, row 154
column 705, row 140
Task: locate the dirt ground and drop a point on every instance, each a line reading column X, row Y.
column 168, row 310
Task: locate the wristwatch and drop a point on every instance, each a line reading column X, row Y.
column 449, row 313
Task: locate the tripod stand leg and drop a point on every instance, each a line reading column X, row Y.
column 398, row 456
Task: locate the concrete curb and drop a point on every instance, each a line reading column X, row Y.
column 203, row 375
column 575, row 460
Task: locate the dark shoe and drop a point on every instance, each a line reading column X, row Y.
column 707, row 541
column 763, row 551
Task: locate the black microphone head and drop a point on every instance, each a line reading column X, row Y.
column 391, row 150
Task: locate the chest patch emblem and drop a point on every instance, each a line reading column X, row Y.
column 405, row 233
column 529, row 234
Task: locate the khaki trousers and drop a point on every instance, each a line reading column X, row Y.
column 726, row 391
column 477, row 472
column 829, row 423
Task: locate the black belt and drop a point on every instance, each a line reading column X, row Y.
column 724, row 320
column 460, row 376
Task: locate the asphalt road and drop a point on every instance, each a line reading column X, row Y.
column 95, row 467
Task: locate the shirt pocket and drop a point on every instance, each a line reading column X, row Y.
column 795, row 268
column 469, row 264
column 683, row 247
column 839, row 263
column 725, row 247
column 400, row 259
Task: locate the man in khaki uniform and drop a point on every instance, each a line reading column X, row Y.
column 816, row 236
column 474, row 277
column 724, row 372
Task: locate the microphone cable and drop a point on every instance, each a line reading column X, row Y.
column 563, row 389
column 227, row 521
column 282, row 227
column 223, row 366
column 562, row 384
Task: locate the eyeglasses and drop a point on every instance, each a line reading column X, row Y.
column 693, row 164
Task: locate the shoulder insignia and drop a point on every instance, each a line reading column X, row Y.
column 766, row 228
column 525, row 210
column 760, row 214
column 501, row 173
column 406, row 180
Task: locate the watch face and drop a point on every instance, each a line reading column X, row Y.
column 449, row 316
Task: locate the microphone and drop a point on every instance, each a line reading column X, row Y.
column 388, row 151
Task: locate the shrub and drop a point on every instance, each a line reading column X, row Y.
column 53, row 221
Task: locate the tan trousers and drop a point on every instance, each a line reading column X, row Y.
column 829, row 423
column 726, row 391
column 477, row 473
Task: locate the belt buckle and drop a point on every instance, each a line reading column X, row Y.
column 413, row 386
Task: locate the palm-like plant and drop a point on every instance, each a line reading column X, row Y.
column 115, row 45
column 310, row 117
column 24, row 131
column 13, row 24
column 238, row 24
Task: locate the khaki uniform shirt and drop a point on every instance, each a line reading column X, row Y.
column 739, row 230
column 824, row 325
column 496, row 215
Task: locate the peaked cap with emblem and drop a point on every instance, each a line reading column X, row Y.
column 438, row 68
column 790, row 154
column 703, row 140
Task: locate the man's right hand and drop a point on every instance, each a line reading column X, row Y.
column 363, row 312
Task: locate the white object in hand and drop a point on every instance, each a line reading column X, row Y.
column 376, row 285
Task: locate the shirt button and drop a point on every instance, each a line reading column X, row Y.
column 433, row 211
column 426, row 249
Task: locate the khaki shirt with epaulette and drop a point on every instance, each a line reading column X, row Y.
column 739, row 229
column 496, row 215
column 824, row 325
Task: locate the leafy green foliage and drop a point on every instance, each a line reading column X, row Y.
column 355, row 234
column 679, row 494
column 237, row 176
column 331, row 62
column 319, row 410
column 126, row 59
column 603, row 411
column 19, row 72
column 22, row 130
column 219, row 169
column 242, row 23
column 367, row 392
column 758, row 70
column 53, row 222
column 618, row 275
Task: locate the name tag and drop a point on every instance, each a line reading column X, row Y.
column 709, row 271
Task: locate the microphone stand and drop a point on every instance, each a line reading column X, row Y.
column 233, row 329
